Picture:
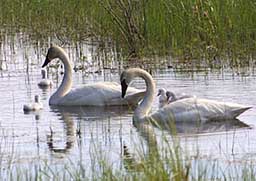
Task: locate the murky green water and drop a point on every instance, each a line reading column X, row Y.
column 57, row 134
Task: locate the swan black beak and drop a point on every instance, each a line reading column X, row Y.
column 47, row 60
column 158, row 94
column 124, row 88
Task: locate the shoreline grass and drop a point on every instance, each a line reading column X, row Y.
column 190, row 29
column 171, row 162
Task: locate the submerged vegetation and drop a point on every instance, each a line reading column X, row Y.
column 188, row 29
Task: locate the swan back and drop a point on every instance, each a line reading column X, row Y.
column 100, row 94
column 197, row 110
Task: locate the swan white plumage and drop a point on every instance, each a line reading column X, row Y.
column 96, row 94
column 35, row 106
column 190, row 109
column 45, row 82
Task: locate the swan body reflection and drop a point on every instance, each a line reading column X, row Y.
column 70, row 136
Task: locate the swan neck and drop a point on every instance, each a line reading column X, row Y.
column 66, row 83
column 145, row 106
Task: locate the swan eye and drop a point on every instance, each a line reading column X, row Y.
column 124, row 87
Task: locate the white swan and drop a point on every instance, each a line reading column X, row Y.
column 37, row 105
column 190, row 109
column 97, row 94
column 45, row 82
column 163, row 99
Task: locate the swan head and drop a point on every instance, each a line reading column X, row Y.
column 53, row 52
column 124, row 84
column 169, row 95
column 161, row 92
column 125, row 79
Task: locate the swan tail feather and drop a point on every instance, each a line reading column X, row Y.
column 237, row 112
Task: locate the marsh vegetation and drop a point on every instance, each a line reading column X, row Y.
column 102, row 37
column 190, row 29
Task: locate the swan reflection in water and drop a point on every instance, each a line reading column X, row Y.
column 69, row 114
column 187, row 127
column 147, row 132
column 37, row 114
column 70, row 136
column 90, row 112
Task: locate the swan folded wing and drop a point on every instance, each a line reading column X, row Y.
column 178, row 111
column 193, row 109
column 112, row 96
column 89, row 95
column 214, row 110
column 98, row 94
column 133, row 99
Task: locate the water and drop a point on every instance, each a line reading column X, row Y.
column 57, row 135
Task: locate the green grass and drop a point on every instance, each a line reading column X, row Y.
column 170, row 162
column 189, row 29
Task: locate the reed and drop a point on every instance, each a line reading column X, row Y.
column 189, row 29
column 171, row 162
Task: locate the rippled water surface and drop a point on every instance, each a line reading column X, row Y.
column 60, row 134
